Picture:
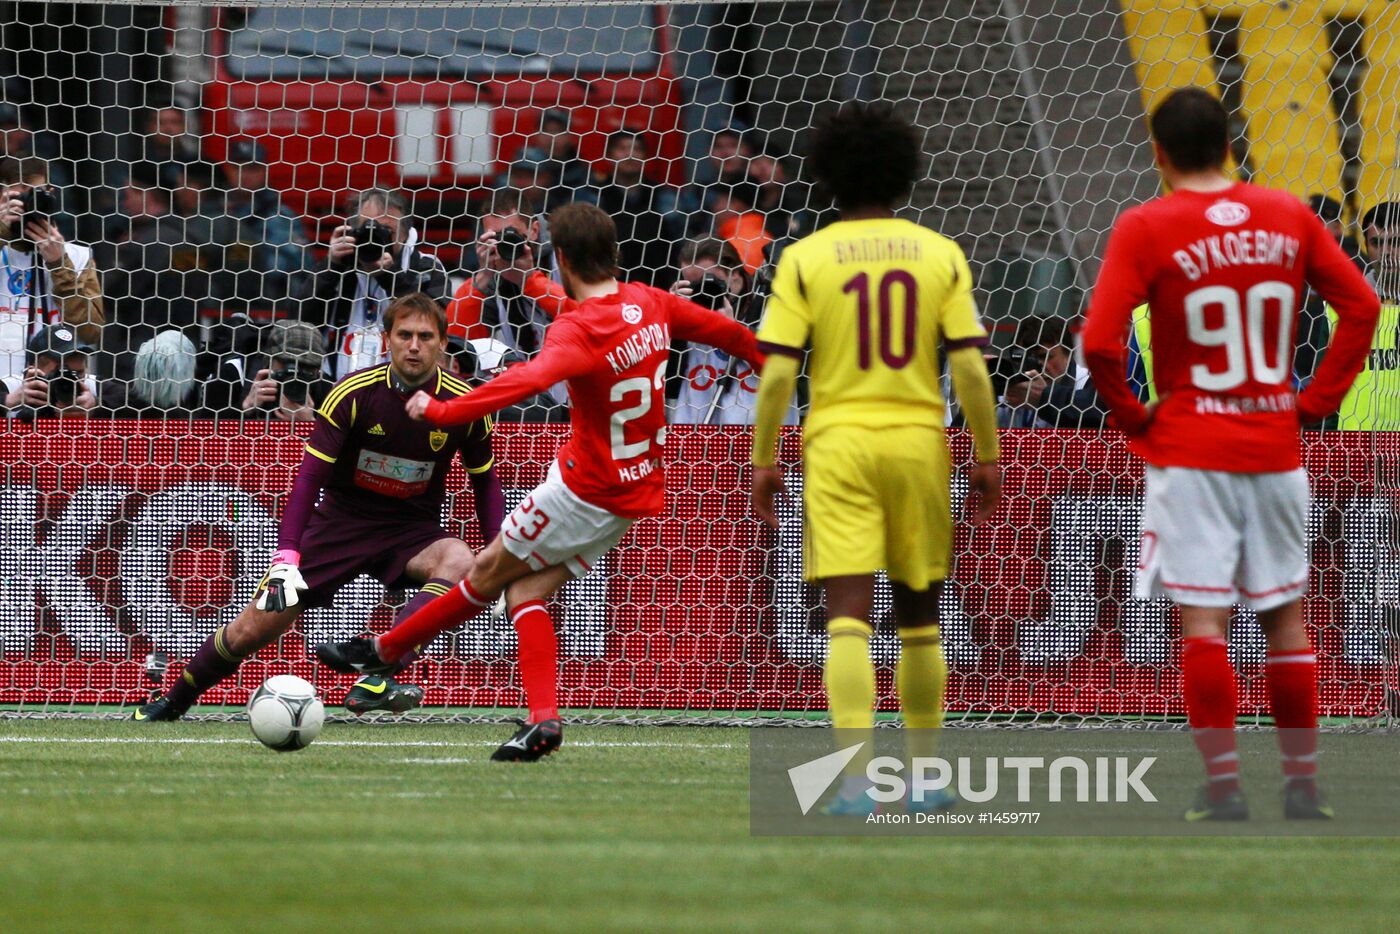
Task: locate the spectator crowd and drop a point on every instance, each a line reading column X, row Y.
column 207, row 296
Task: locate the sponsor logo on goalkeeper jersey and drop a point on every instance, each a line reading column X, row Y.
column 392, row 476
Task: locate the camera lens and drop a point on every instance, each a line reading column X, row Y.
column 510, row 244
column 709, row 292
column 295, row 390
column 372, row 240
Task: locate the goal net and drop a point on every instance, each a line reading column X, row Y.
column 200, row 165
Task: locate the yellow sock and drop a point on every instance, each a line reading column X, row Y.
column 850, row 684
column 921, row 675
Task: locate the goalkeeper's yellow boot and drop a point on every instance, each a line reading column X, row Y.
column 375, row 692
column 158, row 709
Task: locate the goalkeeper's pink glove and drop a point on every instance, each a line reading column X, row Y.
column 280, row 589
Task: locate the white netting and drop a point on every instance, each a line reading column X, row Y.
column 203, row 159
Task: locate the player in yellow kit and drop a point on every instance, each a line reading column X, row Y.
column 874, row 297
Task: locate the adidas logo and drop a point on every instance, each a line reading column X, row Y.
column 377, row 430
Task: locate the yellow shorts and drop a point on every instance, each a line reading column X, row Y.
column 877, row 499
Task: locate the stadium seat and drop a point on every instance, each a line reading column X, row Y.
column 1380, row 108
column 1293, row 141
column 1168, row 42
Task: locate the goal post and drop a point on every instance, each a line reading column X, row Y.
column 201, row 172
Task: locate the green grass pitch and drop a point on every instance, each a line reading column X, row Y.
column 110, row 827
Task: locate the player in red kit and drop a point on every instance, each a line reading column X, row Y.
column 610, row 344
column 1223, row 266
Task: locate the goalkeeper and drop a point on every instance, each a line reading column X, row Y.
column 385, row 478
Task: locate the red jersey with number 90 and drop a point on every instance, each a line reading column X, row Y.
column 612, row 351
column 1223, row 274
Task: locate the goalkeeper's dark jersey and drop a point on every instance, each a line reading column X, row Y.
column 387, row 466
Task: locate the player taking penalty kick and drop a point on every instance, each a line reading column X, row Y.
column 1223, row 266
column 611, row 347
column 874, row 297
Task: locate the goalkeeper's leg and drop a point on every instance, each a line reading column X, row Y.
column 218, row 658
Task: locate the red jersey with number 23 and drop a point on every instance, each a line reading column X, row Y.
column 612, row 351
column 1223, row 274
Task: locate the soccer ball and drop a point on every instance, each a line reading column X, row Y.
column 285, row 713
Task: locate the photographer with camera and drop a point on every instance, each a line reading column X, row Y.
column 45, row 278
column 1039, row 384
column 708, row 386
column 374, row 258
column 292, row 384
column 56, row 381
column 512, row 296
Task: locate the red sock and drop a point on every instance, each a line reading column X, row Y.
column 1292, row 681
column 449, row 611
column 1208, row 681
column 539, row 659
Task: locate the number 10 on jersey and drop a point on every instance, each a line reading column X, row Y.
column 895, row 285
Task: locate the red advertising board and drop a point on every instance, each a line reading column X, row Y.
column 121, row 538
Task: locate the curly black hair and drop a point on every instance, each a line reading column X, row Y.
column 865, row 155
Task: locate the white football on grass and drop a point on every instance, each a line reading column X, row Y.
column 285, row 713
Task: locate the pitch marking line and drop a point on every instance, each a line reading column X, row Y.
column 439, row 744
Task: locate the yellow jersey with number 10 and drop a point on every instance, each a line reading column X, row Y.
column 874, row 298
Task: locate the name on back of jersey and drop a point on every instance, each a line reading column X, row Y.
column 1237, row 248
column 1284, row 401
column 639, row 345
column 638, row 471
column 878, row 250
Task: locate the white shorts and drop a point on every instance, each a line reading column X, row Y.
column 552, row 526
column 1211, row 538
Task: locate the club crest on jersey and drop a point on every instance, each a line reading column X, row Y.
column 1227, row 213
column 632, row 313
column 436, row 439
